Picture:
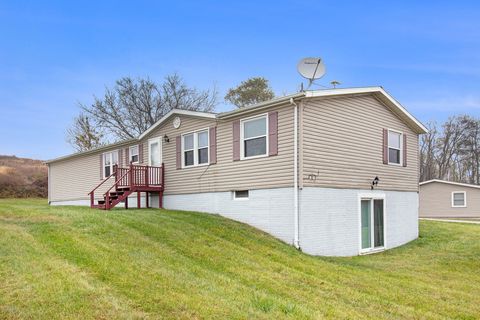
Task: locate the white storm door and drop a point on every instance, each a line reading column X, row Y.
column 155, row 152
column 155, row 160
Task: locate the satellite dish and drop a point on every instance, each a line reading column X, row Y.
column 311, row 68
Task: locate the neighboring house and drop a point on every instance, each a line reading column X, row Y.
column 299, row 167
column 446, row 199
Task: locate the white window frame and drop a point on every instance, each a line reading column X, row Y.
column 130, row 154
column 242, row 138
column 240, row 198
column 371, row 197
column 195, row 148
column 401, row 147
column 464, row 199
column 111, row 162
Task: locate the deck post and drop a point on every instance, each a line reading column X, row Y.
column 146, row 200
column 139, row 204
column 92, row 200
column 146, row 176
column 131, row 176
column 126, row 202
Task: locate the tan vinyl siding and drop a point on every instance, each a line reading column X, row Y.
column 342, row 145
column 436, row 201
column 73, row 179
column 226, row 174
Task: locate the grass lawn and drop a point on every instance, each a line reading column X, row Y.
column 74, row 262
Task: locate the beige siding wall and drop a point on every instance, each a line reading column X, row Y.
column 226, row 174
column 73, row 179
column 342, row 145
column 436, row 201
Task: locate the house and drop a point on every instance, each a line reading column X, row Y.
column 333, row 172
column 446, row 199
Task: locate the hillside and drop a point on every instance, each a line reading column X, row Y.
column 76, row 262
column 22, row 177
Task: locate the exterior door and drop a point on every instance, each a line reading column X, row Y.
column 155, row 152
column 372, row 224
column 155, row 160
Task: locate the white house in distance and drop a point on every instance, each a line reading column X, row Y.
column 333, row 172
column 447, row 199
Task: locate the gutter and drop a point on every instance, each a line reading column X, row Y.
column 296, row 241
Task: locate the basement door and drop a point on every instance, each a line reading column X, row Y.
column 372, row 224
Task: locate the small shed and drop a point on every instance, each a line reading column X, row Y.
column 447, row 199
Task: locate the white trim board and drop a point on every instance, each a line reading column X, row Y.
column 450, row 182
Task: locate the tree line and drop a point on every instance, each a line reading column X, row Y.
column 451, row 151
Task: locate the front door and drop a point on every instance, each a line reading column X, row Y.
column 155, row 160
column 155, row 152
column 372, row 224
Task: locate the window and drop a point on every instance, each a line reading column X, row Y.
column 459, row 199
column 202, row 142
column 133, row 154
column 254, row 137
column 109, row 160
column 195, row 148
column 394, row 147
column 240, row 195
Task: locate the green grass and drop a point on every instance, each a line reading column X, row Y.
column 74, row 262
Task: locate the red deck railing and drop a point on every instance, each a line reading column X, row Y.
column 135, row 177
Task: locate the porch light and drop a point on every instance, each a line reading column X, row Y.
column 166, row 138
column 374, row 183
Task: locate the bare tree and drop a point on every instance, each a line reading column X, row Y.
column 452, row 153
column 448, row 145
column 134, row 105
column 428, row 152
column 84, row 135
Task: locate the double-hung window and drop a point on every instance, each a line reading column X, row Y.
column 394, row 147
column 459, row 199
column 195, row 147
column 109, row 160
column 254, row 137
column 133, row 154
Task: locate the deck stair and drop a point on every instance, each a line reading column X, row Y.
column 135, row 178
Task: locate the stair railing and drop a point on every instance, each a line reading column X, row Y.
column 107, row 193
column 92, row 193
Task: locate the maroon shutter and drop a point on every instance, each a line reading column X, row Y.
column 236, row 140
column 273, row 133
column 385, row 146
column 213, row 145
column 127, row 156
column 101, row 166
column 140, row 153
column 404, row 150
column 178, row 141
column 120, row 158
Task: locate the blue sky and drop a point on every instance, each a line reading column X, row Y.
column 56, row 54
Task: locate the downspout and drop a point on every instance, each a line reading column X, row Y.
column 49, row 183
column 296, row 242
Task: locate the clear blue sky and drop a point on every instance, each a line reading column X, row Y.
column 54, row 54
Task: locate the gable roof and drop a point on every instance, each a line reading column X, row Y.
column 199, row 114
column 378, row 92
column 451, row 183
